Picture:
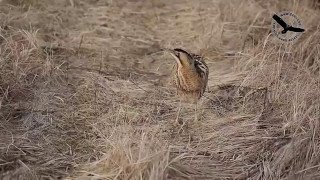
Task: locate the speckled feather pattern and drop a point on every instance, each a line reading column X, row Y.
column 191, row 82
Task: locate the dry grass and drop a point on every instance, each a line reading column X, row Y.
column 84, row 92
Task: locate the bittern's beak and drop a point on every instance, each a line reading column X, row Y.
column 174, row 54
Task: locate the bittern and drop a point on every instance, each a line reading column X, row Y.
column 190, row 77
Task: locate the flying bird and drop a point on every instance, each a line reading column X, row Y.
column 285, row 26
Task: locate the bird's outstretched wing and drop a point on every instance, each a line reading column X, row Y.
column 295, row 29
column 279, row 20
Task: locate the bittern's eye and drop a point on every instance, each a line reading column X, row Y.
column 178, row 55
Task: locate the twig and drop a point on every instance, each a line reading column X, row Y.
column 101, row 62
column 80, row 44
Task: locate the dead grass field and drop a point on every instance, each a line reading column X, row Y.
column 84, row 91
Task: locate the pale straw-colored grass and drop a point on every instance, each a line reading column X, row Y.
column 84, row 91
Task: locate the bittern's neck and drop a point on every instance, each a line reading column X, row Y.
column 186, row 67
column 185, row 64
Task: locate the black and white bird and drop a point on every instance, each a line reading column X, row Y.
column 285, row 26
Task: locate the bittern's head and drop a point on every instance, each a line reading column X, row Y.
column 182, row 57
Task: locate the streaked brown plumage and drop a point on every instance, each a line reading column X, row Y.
column 190, row 75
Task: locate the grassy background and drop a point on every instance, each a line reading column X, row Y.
column 85, row 91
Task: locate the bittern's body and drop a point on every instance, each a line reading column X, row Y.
column 190, row 75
